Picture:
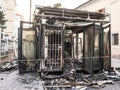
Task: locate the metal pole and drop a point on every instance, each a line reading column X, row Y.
column 110, row 44
column 30, row 9
column 84, row 49
column 101, row 45
column 77, row 45
column 93, row 50
column 62, row 42
column 0, row 46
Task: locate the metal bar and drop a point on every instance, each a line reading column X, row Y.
column 55, row 46
column 0, row 47
column 93, row 46
column 20, row 47
column 81, row 45
column 57, row 40
column 41, row 38
column 25, row 22
column 35, row 44
column 62, row 42
column 37, row 48
column 20, row 41
column 43, row 47
column 83, row 60
column 39, row 41
column 50, row 47
column 68, row 11
column 58, row 46
column 101, row 45
column 77, row 45
column 110, row 43
column 72, row 18
column 73, row 56
column 19, row 44
column 30, row 10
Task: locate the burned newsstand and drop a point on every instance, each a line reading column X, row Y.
column 59, row 35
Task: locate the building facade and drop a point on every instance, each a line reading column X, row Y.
column 8, row 7
column 112, row 7
column 10, row 15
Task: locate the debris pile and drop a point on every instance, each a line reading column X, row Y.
column 9, row 65
column 72, row 64
column 86, row 81
column 72, row 79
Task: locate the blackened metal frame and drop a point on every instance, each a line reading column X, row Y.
column 63, row 16
column 21, row 59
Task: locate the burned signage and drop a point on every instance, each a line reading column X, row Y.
column 58, row 35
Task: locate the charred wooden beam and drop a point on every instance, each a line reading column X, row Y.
column 69, row 12
column 65, row 18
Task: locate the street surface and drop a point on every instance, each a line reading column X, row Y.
column 12, row 80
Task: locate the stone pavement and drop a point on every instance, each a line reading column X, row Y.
column 11, row 80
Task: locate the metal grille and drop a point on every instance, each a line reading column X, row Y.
column 53, row 47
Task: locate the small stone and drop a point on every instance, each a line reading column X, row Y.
column 1, row 78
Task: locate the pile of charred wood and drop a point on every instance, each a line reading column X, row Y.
column 75, row 79
column 9, row 65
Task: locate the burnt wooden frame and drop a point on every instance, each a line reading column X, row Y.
column 63, row 15
column 21, row 59
column 74, row 16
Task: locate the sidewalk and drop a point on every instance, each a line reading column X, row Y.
column 11, row 80
column 115, row 62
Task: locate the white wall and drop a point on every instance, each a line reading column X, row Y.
column 10, row 15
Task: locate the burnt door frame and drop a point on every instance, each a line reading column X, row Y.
column 21, row 60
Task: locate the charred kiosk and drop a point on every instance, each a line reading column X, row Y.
column 58, row 35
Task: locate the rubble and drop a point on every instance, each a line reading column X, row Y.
column 71, row 79
column 9, row 65
column 84, row 81
column 117, row 71
column 77, row 80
